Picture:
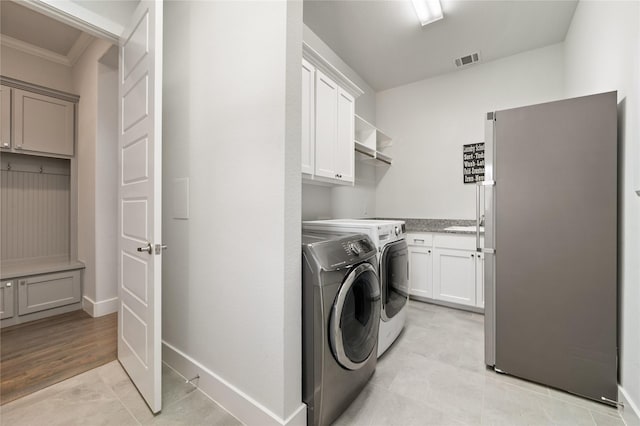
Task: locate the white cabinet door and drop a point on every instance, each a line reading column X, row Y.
column 454, row 276
column 42, row 123
column 420, row 272
column 308, row 118
column 345, row 149
column 326, row 125
column 480, row 280
column 5, row 117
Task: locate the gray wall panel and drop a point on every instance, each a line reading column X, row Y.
column 34, row 209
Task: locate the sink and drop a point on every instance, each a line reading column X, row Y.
column 463, row 228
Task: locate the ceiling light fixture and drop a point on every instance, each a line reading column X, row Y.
column 428, row 11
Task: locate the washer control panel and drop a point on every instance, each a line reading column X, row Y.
column 355, row 248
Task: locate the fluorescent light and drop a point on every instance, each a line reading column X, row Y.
column 428, row 11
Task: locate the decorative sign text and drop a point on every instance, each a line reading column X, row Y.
column 473, row 162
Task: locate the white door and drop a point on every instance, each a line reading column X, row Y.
column 140, row 224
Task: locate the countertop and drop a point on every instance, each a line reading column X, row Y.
column 435, row 225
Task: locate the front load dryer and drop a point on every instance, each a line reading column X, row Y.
column 340, row 319
column 393, row 258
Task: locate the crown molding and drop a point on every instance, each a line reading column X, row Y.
column 34, row 50
column 317, row 60
column 77, row 16
column 79, row 47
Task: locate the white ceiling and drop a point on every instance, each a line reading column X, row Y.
column 385, row 44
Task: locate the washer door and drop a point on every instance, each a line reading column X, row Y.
column 355, row 317
column 394, row 278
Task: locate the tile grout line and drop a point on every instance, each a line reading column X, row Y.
column 118, row 398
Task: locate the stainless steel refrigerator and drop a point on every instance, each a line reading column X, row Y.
column 550, row 207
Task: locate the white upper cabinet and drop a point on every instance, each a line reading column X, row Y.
column 42, row 124
column 5, row 117
column 308, row 114
column 326, row 126
column 344, row 158
column 328, row 121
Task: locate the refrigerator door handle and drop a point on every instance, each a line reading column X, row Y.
column 478, row 220
column 482, row 185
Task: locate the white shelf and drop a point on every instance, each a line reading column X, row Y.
column 370, row 141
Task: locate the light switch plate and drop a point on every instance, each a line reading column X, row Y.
column 181, row 198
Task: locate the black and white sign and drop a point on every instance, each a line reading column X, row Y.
column 473, row 162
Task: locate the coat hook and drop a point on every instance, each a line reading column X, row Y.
column 41, row 169
column 8, row 167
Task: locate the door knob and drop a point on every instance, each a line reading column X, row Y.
column 148, row 248
column 160, row 247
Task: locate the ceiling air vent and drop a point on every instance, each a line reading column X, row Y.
column 467, row 60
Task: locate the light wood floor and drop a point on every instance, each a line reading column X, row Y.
column 44, row 352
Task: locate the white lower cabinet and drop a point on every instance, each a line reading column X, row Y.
column 420, row 271
column 480, row 280
column 447, row 268
column 454, row 276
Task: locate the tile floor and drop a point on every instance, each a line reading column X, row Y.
column 106, row 396
column 433, row 375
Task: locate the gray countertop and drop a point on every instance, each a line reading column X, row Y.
column 435, row 225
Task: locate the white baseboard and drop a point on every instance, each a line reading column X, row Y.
column 630, row 412
column 98, row 309
column 236, row 402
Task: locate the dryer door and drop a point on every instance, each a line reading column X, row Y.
column 355, row 317
column 394, row 278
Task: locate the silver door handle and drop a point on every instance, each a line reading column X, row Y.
column 478, row 186
column 160, row 247
column 148, row 248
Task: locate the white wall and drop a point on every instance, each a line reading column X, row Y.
column 32, row 69
column 431, row 119
column 96, row 156
column 601, row 54
column 322, row 202
column 365, row 103
column 231, row 275
column 106, row 176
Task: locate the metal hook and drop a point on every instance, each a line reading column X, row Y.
column 8, row 167
column 41, row 169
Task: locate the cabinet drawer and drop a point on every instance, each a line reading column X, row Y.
column 456, row 242
column 48, row 291
column 419, row 239
column 6, row 299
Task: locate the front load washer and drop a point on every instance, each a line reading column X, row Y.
column 393, row 264
column 340, row 319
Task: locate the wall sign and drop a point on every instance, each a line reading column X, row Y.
column 473, row 162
